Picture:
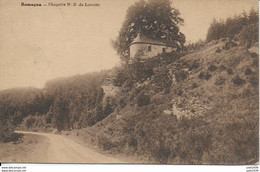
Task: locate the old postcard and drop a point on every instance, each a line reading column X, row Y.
column 129, row 82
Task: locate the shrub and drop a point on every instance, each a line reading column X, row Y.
column 105, row 143
column 120, row 78
column 133, row 142
column 143, row 99
column 246, row 25
column 162, row 79
column 255, row 62
column 249, row 34
column 194, row 85
column 243, row 141
column 212, row 68
column 207, row 76
column 12, row 137
column 29, row 121
column 248, row 71
column 218, row 50
column 193, row 144
column 220, row 80
column 6, row 131
column 229, row 45
column 254, row 80
column 178, row 92
column 195, row 46
column 34, row 122
column 230, row 71
column 138, row 70
column 181, row 75
column 122, row 102
column 201, row 75
column 238, row 81
column 254, row 55
column 222, row 67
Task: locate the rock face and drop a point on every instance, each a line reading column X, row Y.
column 110, row 90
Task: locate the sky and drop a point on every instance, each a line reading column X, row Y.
column 38, row 44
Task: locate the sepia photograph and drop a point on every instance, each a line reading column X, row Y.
column 154, row 82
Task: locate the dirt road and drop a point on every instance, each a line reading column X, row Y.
column 60, row 149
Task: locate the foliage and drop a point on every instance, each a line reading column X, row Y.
column 230, row 71
column 212, row 68
column 246, row 25
column 6, row 131
column 249, row 34
column 181, row 75
column 35, row 122
column 208, row 115
column 195, row 46
column 62, row 105
column 155, row 19
column 16, row 104
column 238, row 81
column 220, row 80
column 229, row 44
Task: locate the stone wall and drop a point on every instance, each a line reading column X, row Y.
column 142, row 50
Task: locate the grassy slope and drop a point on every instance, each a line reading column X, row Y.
column 212, row 112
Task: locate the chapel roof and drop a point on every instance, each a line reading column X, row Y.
column 141, row 38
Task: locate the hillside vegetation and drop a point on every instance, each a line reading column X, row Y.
column 64, row 103
column 199, row 106
column 202, row 108
column 240, row 27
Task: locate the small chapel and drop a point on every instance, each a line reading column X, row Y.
column 145, row 47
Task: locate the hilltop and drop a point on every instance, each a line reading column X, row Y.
column 199, row 108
